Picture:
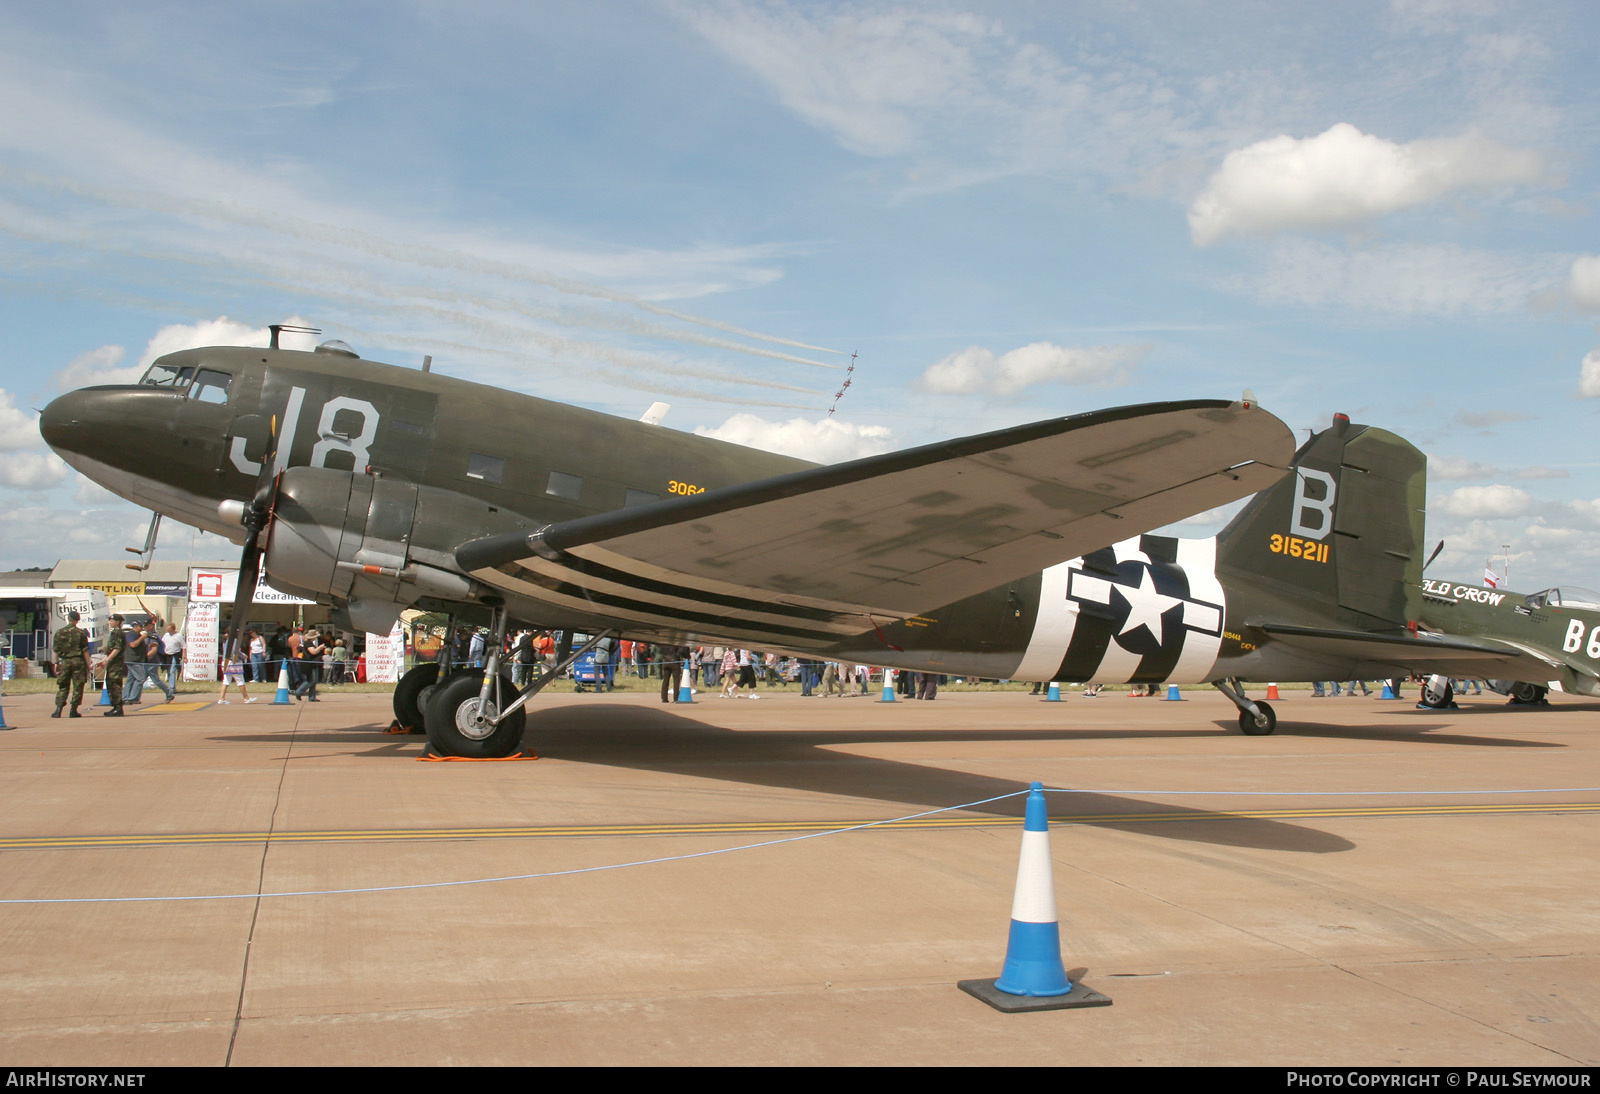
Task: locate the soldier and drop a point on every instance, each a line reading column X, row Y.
column 72, row 666
column 116, row 667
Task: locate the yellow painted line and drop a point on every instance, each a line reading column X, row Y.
column 760, row 827
column 174, row 708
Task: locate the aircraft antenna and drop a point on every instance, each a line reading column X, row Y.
column 292, row 328
column 427, row 362
column 837, row 395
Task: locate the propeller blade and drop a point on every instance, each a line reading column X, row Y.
column 258, row 530
column 1435, row 554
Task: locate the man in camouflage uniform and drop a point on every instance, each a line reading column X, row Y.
column 115, row 649
column 72, row 665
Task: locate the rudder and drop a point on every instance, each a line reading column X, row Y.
column 1344, row 529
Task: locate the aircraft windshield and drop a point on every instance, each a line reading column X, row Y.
column 168, row 376
column 1573, row 596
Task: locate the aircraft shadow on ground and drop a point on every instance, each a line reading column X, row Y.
column 660, row 741
column 1403, row 732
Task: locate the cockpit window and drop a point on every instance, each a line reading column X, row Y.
column 1573, row 596
column 210, row 386
column 168, row 376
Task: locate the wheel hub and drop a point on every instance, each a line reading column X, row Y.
column 475, row 722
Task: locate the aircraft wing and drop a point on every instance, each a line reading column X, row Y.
column 1381, row 655
column 804, row 558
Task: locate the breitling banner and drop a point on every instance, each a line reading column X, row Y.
column 386, row 654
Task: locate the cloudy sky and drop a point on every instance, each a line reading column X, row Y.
column 1008, row 211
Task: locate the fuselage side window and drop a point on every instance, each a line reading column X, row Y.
column 210, row 386
column 485, row 468
column 563, row 485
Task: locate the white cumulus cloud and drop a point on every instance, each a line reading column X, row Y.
column 977, row 369
column 18, row 429
column 33, row 470
column 1345, row 176
column 1589, row 375
column 1583, row 282
column 220, row 331
column 98, row 366
column 1485, row 502
column 825, row 440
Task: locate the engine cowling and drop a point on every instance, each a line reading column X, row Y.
column 371, row 545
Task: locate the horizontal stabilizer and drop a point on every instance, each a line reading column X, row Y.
column 1381, row 655
column 804, row 558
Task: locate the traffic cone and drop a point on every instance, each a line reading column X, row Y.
column 105, row 694
column 685, row 680
column 1033, row 977
column 1388, row 690
column 1173, row 695
column 889, row 676
column 282, row 698
column 3, row 711
column 1272, row 692
column 1054, row 695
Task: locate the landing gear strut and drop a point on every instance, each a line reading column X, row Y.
column 1255, row 719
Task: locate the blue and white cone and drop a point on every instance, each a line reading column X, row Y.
column 1033, row 950
column 889, row 677
column 3, row 710
column 1388, row 690
column 1034, row 977
column 105, row 694
column 282, row 698
column 1173, row 695
column 685, row 679
column 1054, row 694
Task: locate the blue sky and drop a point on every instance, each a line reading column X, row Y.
column 1009, row 211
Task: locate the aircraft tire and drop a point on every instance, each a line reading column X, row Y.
column 1438, row 700
column 1528, row 694
column 411, row 694
column 1247, row 721
column 453, row 729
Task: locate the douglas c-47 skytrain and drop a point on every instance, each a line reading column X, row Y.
column 1023, row 553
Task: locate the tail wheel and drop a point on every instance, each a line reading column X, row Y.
column 1437, row 692
column 458, row 727
column 1258, row 726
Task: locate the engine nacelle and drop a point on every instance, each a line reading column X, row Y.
column 356, row 539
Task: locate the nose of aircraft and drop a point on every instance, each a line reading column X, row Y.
column 62, row 422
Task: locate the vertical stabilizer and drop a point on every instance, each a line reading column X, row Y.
column 1343, row 531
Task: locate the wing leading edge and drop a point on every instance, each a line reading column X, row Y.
column 803, row 559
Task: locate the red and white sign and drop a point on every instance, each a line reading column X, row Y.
column 386, row 655
column 224, row 585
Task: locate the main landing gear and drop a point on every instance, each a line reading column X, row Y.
column 1438, row 693
column 1525, row 694
column 478, row 715
column 1255, row 719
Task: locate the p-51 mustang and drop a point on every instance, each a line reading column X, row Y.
column 374, row 488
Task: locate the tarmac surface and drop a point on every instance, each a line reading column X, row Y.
column 1372, row 885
